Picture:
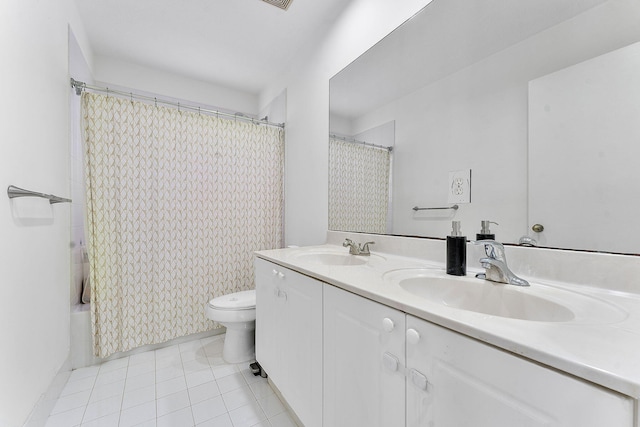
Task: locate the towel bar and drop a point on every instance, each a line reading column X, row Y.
column 13, row 191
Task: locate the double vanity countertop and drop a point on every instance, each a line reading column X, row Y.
column 598, row 342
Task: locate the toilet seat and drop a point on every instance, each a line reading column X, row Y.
column 245, row 300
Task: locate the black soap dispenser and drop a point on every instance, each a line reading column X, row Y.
column 456, row 251
column 485, row 233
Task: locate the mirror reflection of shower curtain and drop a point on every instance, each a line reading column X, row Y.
column 358, row 187
column 176, row 203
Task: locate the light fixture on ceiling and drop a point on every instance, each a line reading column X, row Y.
column 282, row 4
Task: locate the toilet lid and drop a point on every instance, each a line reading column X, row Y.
column 245, row 300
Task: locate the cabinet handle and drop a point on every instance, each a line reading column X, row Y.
column 281, row 275
column 390, row 362
column 418, row 379
column 274, row 272
column 413, row 336
column 388, row 325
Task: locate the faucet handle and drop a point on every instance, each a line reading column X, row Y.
column 493, row 249
column 364, row 249
column 347, row 242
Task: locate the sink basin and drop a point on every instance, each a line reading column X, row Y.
column 538, row 302
column 334, row 257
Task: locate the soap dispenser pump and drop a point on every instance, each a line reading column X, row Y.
column 456, row 251
column 485, row 233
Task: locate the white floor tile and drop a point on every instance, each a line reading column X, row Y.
column 138, row 414
column 221, row 421
column 171, row 351
column 197, row 387
column 237, row 398
column 282, row 420
column 247, row 416
column 102, row 408
column 113, row 365
column 144, row 357
column 172, row 403
column 203, row 392
column 111, row 376
column 66, row 419
column 248, row 375
column 230, row 382
column 195, row 365
column 261, row 389
column 199, row 377
column 208, row 409
column 140, row 381
column 271, row 405
column 168, row 373
column 106, row 391
column 108, row 421
column 80, row 373
column 141, row 368
column 139, row 396
column 78, row 386
column 71, row 401
column 166, row 388
column 221, row 371
column 181, row 418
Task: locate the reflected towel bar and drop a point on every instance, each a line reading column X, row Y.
column 13, row 191
column 454, row 207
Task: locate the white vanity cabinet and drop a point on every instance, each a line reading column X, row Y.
column 289, row 336
column 364, row 383
column 454, row 380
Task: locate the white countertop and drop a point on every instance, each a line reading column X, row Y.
column 603, row 352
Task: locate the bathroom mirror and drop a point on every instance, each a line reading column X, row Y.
column 456, row 81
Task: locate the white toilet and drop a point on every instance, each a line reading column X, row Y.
column 237, row 312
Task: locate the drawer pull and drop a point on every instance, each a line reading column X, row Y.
column 390, row 362
column 418, row 379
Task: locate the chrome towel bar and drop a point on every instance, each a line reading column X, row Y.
column 13, row 191
column 454, row 207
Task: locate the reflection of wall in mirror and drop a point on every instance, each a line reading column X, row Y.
column 587, row 115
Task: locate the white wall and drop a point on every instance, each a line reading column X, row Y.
column 119, row 74
column 34, row 153
column 363, row 23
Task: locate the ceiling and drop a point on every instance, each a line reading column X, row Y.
column 446, row 36
column 240, row 44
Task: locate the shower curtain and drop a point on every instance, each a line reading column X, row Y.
column 176, row 204
column 358, row 187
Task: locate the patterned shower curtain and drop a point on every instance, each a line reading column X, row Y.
column 176, row 204
column 358, row 187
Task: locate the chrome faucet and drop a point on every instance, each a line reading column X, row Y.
column 356, row 249
column 495, row 265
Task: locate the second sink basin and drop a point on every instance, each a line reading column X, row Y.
column 535, row 303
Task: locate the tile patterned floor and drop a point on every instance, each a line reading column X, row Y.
column 179, row 386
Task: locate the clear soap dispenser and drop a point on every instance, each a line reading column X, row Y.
column 456, row 251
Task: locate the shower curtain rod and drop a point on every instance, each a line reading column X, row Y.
column 355, row 141
column 81, row 86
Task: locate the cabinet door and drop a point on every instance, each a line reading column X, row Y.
column 469, row 383
column 363, row 362
column 289, row 337
column 301, row 346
